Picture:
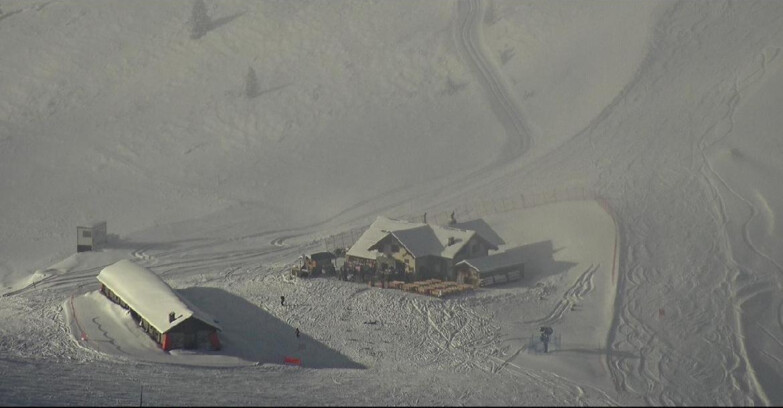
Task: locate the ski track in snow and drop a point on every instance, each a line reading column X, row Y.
column 457, row 337
column 571, row 297
column 468, row 39
column 649, row 375
column 744, row 290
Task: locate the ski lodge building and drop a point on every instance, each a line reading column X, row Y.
column 421, row 250
column 170, row 320
column 360, row 252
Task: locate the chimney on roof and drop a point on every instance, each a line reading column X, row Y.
column 171, row 317
column 451, row 241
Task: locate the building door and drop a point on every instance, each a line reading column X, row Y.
column 190, row 340
column 176, row 340
column 202, row 338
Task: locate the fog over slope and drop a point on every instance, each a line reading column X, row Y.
column 669, row 110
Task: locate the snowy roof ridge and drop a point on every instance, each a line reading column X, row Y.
column 428, row 239
column 419, row 238
column 377, row 230
column 149, row 296
column 483, row 229
column 419, row 241
column 445, row 235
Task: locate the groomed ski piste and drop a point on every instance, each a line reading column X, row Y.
column 632, row 149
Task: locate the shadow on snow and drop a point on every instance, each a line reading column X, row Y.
column 539, row 263
column 253, row 334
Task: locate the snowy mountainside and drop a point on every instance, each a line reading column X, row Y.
column 667, row 110
column 135, row 110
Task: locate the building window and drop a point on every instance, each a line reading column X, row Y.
column 87, row 234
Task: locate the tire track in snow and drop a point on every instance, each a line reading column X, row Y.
column 470, row 14
column 467, row 36
column 226, row 260
column 110, row 340
column 60, row 280
column 468, row 39
column 571, row 297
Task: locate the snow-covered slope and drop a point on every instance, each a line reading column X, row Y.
column 668, row 110
column 135, row 110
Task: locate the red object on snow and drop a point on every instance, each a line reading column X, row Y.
column 166, row 343
column 293, row 361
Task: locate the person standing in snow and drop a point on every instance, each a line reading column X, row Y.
column 282, row 300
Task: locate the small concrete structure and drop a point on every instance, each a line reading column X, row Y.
column 92, row 237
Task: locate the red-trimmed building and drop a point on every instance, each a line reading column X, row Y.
column 170, row 320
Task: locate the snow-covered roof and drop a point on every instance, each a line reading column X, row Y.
column 486, row 264
column 431, row 240
column 445, row 234
column 419, row 241
column 149, row 296
column 377, row 230
column 483, row 229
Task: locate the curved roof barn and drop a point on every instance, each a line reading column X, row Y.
column 149, row 296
